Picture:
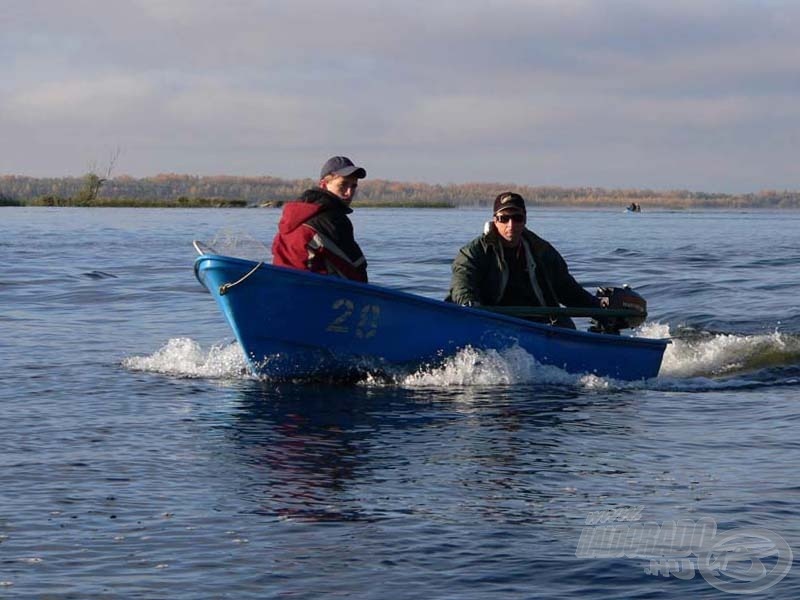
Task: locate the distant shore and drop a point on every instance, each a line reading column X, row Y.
column 210, row 203
column 224, row 203
column 190, row 191
column 196, row 203
column 231, row 203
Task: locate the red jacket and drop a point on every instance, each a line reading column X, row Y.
column 315, row 234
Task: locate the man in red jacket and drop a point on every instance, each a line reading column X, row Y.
column 315, row 233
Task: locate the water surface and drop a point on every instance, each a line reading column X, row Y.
column 140, row 460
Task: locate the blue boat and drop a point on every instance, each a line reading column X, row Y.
column 295, row 324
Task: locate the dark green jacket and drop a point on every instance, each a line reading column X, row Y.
column 480, row 274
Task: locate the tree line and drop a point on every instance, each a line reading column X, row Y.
column 225, row 190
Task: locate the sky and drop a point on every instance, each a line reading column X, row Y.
column 701, row 95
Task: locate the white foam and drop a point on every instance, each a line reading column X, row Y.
column 715, row 355
column 488, row 367
column 184, row 357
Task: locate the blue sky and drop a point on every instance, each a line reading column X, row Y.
column 700, row 95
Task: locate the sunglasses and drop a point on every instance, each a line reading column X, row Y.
column 517, row 218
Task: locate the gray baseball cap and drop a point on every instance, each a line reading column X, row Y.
column 343, row 166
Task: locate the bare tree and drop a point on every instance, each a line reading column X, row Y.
column 92, row 181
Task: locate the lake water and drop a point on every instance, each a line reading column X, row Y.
column 139, row 460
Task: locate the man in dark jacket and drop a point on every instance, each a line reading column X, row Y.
column 510, row 265
column 315, row 233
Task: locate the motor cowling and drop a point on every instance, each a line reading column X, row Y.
column 620, row 298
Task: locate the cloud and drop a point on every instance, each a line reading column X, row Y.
column 81, row 100
column 441, row 90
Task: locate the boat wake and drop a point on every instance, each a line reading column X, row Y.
column 694, row 361
column 723, row 356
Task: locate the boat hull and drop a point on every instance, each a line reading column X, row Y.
column 296, row 324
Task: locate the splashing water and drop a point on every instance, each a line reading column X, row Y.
column 693, row 360
column 241, row 245
column 705, row 354
column 183, row 357
column 487, row 367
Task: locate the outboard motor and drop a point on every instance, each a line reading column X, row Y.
column 616, row 298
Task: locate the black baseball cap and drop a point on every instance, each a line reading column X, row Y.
column 508, row 200
column 343, row 166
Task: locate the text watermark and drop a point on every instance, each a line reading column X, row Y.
column 739, row 561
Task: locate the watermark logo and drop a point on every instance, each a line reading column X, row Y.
column 739, row 561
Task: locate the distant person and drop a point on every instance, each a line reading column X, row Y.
column 509, row 265
column 315, row 234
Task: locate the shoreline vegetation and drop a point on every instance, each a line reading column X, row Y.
column 225, row 191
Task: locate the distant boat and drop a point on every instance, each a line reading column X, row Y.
column 633, row 207
column 296, row 324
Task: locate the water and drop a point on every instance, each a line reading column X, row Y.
column 139, row 460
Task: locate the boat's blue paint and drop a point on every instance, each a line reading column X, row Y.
column 296, row 324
